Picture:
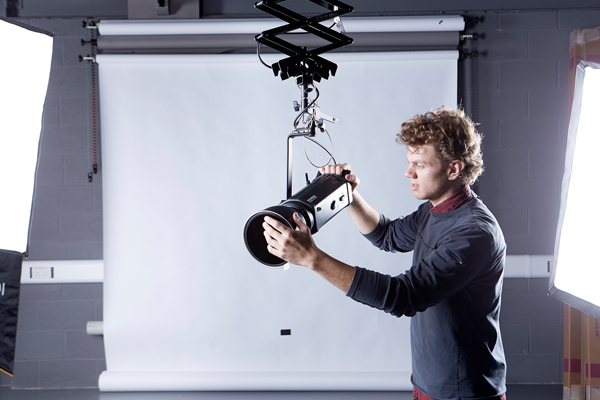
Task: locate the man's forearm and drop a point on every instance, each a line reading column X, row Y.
column 365, row 217
column 334, row 271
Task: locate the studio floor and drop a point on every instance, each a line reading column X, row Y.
column 514, row 392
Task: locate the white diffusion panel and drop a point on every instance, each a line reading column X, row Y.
column 192, row 146
column 25, row 68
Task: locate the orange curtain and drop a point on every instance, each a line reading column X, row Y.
column 581, row 377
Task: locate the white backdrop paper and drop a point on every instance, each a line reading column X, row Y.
column 192, row 146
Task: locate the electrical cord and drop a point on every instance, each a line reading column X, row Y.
column 311, row 121
column 330, row 153
column 305, row 111
column 92, row 110
column 259, row 57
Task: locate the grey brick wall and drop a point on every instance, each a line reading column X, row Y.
column 520, row 99
column 532, row 330
column 53, row 348
column 67, row 222
column 521, row 86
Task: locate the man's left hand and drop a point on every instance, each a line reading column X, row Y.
column 294, row 246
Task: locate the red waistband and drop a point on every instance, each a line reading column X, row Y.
column 417, row 395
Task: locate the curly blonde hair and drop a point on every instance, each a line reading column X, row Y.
column 452, row 133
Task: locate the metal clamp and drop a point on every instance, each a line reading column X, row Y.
column 89, row 25
column 87, row 58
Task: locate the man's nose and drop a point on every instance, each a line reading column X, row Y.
column 410, row 173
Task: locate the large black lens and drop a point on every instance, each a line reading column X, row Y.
column 255, row 239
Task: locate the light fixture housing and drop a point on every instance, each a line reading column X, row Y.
column 316, row 204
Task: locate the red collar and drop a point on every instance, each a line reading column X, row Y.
column 457, row 200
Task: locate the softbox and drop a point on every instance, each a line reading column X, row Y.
column 25, row 68
column 575, row 276
column 10, row 280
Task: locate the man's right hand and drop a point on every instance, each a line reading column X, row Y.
column 337, row 170
column 364, row 216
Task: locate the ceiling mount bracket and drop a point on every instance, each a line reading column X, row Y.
column 301, row 60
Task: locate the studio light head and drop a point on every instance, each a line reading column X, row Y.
column 316, row 204
column 328, row 194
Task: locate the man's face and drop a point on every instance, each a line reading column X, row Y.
column 428, row 176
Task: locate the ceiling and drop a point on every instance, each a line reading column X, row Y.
column 245, row 8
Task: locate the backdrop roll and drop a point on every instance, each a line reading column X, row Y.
column 193, row 145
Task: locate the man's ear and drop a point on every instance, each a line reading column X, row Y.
column 455, row 168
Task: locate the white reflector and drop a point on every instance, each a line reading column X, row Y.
column 25, row 70
column 576, row 275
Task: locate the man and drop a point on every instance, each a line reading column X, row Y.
column 453, row 289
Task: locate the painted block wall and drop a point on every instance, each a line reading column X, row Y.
column 520, row 84
column 519, row 98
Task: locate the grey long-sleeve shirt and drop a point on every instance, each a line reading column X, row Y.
column 452, row 292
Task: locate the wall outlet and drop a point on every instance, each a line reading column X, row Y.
column 41, row 272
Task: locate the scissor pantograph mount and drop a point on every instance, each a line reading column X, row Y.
column 301, row 61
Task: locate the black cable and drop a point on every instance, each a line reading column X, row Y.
column 92, row 109
column 296, row 121
column 331, row 157
column 260, row 58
